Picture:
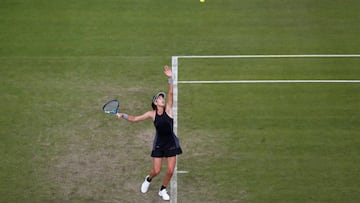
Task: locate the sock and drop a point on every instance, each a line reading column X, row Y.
column 148, row 179
column 162, row 187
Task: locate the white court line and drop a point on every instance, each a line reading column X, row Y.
column 182, row 172
column 263, row 81
column 278, row 56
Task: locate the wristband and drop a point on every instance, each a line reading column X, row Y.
column 125, row 116
column 171, row 81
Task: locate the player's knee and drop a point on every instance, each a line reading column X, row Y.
column 157, row 171
column 170, row 171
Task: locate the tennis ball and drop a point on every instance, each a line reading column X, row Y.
column 202, row 1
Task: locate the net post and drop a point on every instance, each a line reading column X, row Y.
column 173, row 182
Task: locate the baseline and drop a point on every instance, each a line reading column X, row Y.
column 263, row 81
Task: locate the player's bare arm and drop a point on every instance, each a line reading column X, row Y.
column 147, row 115
column 169, row 102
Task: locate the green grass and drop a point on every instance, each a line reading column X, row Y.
column 272, row 143
column 61, row 60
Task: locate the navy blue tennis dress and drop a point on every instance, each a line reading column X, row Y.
column 166, row 143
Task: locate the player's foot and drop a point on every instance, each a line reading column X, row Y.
column 163, row 193
column 145, row 185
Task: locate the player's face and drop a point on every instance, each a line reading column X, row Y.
column 160, row 101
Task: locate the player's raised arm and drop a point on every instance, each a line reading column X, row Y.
column 170, row 98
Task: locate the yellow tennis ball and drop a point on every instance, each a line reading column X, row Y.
column 202, row 1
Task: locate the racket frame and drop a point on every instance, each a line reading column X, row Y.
column 113, row 111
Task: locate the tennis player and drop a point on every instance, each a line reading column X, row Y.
column 166, row 144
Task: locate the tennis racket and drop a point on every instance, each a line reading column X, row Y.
column 111, row 107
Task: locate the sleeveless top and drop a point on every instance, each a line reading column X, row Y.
column 165, row 136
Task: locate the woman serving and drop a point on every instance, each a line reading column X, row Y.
column 166, row 144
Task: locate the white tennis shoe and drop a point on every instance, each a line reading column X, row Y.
column 145, row 185
column 163, row 193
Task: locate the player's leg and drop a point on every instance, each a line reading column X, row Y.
column 171, row 162
column 157, row 163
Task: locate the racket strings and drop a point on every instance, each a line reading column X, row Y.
column 111, row 106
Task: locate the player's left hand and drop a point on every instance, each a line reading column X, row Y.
column 167, row 71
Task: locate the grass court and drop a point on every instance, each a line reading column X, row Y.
column 294, row 142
